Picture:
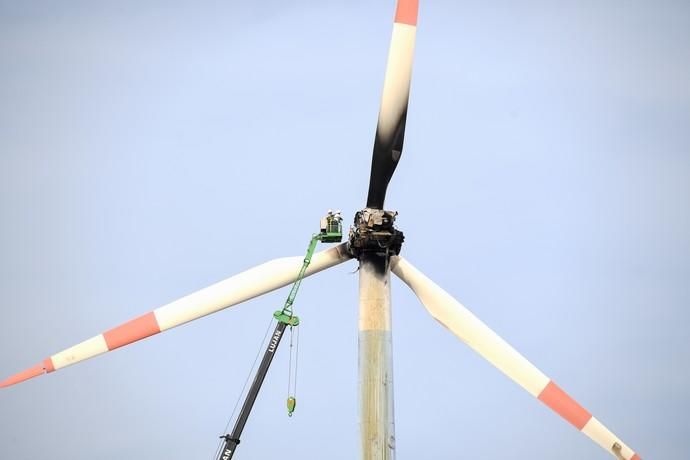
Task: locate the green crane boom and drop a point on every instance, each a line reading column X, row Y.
column 331, row 232
column 285, row 315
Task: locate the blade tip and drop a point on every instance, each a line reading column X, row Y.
column 35, row 371
column 406, row 12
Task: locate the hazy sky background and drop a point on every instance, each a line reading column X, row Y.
column 149, row 149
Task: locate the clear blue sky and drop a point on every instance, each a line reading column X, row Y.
column 148, row 149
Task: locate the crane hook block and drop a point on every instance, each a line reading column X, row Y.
column 291, row 403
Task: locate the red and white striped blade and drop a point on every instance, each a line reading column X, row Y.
column 471, row 330
column 239, row 288
column 390, row 130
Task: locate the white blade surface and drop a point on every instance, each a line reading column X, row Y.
column 471, row 330
column 239, row 288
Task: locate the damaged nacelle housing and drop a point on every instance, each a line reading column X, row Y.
column 374, row 232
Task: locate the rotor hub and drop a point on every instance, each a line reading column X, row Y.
column 374, row 232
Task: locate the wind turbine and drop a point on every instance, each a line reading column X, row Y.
column 376, row 243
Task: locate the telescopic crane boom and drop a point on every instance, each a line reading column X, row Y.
column 331, row 232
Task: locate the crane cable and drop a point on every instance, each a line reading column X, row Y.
column 292, row 377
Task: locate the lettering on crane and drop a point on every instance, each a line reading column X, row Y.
column 274, row 341
column 227, row 454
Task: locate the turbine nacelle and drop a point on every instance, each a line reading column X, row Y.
column 374, row 232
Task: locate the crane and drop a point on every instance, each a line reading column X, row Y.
column 331, row 231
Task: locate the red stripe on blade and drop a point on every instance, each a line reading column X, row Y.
column 48, row 365
column 136, row 329
column 24, row 375
column 565, row 406
column 635, row 457
column 407, row 12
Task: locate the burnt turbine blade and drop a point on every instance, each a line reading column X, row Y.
column 385, row 158
column 390, row 130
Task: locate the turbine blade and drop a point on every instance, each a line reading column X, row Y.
column 471, row 330
column 390, row 130
column 239, row 288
